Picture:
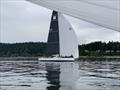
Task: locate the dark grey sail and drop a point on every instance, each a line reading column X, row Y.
column 53, row 37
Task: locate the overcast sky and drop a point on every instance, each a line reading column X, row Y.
column 22, row 21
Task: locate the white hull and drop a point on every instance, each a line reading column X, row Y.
column 56, row 59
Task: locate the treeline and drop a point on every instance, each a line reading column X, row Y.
column 22, row 49
column 31, row 49
column 100, row 49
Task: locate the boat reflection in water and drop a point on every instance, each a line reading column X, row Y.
column 80, row 75
column 62, row 76
column 83, row 75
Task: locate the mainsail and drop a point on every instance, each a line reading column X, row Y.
column 105, row 13
column 53, row 37
column 61, row 39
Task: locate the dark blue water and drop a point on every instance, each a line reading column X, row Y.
column 82, row 75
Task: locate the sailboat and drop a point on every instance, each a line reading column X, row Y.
column 105, row 13
column 62, row 44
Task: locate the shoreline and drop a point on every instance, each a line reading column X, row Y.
column 18, row 58
column 99, row 57
column 81, row 57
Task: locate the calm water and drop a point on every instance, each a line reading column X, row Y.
column 82, row 75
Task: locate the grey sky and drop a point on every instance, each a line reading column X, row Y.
column 21, row 21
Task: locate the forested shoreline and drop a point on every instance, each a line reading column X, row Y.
column 100, row 49
column 35, row 49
